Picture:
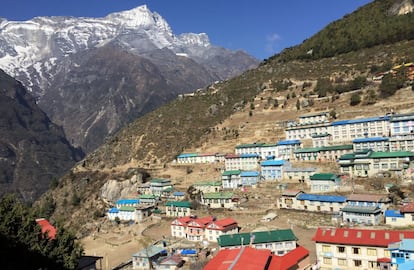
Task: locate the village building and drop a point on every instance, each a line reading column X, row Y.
column 319, row 140
column 46, row 228
column 268, row 151
column 144, row 188
column 208, row 187
column 219, row 200
column 365, row 208
column 402, row 217
column 307, row 126
column 348, row 248
column 172, row 262
column 186, row 158
column 249, row 178
column 148, row 199
column 272, row 169
column 126, row 202
column 247, row 257
column 402, row 254
column 380, row 144
column 297, row 173
column 324, row 153
column 288, row 199
column 368, row 163
column 331, row 204
column 348, row 130
column 244, row 162
column 198, row 229
column 147, row 257
column 231, row 179
column 158, row 186
column 286, row 148
column 249, row 148
column 177, row 208
column 220, row 227
column 324, row 182
column 130, row 213
column 278, row 242
column 177, row 195
column 402, row 124
column 403, row 142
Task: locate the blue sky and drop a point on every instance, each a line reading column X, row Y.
column 261, row 28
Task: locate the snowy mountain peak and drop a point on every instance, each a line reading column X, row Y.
column 137, row 17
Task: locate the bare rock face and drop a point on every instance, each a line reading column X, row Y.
column 114, row 190
column 402, row 7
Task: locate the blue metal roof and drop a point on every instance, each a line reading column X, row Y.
column 113, row 210
column 273, row 162
column 178, row 193
column 321, row 198
column 288, row 142
column 249, row 174
column 393, row 213
column 372, row 139
column 187, row 155
column 361, row 120
column 127, row 201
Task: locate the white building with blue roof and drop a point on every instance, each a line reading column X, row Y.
column 272, row 170
column 312, row 202
column 348, row 130
column 373, row 143
column 249, row 178
column 286, row 148
column 402, row 254
column 126, row 202
column 402, row 124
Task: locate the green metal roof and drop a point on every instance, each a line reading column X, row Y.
column 213, row 183
column 231, row 172
column 361, row 209
column 185, row 204
column 347, row 157
column 258, row 237
column 160, row 180
column 323, row 176
column 249, row 145
column 391, row 154
column 337, row 147
column 218, row 195
column 127, row 208
column 147, row 196
column 307, row 150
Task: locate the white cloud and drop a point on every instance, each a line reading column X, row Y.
column 271, row 41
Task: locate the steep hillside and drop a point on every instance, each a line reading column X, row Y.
column 251, row 107
column 378, row 23
column 33, row 151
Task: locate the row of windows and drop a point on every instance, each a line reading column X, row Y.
column 354, row 263
column 354, row 250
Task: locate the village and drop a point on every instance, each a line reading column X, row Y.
column 300, row 203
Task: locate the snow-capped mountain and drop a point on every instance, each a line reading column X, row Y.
column 30, row 49
column 74, row 69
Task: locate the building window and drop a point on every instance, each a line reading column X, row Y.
column 326, row 248
column 371, row 252
column 356, row 251
column 342, row 262
column 357, row 263
column 373, row 265
column 327, row 260
column 341, row 249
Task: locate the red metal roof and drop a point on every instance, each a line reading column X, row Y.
column 384, row 260
column 222, row 224
column 245, row 258
column 360, row 237
column 46, row 227
column 200, row 222
column 408, row 208
column 288, row 260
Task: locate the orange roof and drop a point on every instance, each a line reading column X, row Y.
column 46, row 227
column 288, row 260
column 223, row 224
column 244, row 258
